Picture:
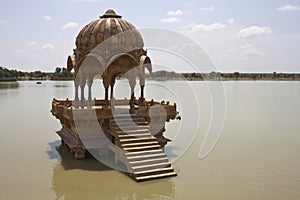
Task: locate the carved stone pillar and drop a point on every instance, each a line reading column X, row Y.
column 82, row 86
column 142, row 84
column 90, row 83
column 106, row 93
column 112, row 84
column 76, row 84
column 106, row 86
column 76, row 99
column 132, row 83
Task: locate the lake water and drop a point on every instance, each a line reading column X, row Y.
column 256, row 157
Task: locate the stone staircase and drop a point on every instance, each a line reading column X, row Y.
column 145, row 157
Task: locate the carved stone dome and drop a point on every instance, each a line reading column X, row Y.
column 108, row 47
column 106, row 26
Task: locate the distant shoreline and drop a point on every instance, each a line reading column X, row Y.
column 61, row 74
column 8, row 80
column 218, row 76
column 155, row 79
column 162, row 79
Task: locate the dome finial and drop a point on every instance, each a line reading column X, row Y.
column 110, row 13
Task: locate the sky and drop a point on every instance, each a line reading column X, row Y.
column 244, row 36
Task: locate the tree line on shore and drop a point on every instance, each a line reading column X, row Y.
column 165, row 75
column 60, row 73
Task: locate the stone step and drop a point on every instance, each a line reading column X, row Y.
column 131, row 140
column 139, row 144
column 146, row 156
column 128, row 119
column 149, row 161
column 131, row 127
column 145, row 152
column 128, row 123
column 156, row 176
column 150, row 166
column 142, row 148
column 133, row 131
column 124, row 119
column 139, row 135
column 153, row 171
column 124, row 115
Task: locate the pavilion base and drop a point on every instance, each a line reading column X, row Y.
column 131, row 132
column 72, row 143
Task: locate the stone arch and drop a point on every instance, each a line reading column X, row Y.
column 86, row 69
column 145, row 62
column 119, row 63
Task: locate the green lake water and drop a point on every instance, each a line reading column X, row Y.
column 256, row 157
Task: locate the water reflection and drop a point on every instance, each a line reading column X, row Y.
column 64, row 155
column 89, row 179
column 9, row 85
column 61, row 86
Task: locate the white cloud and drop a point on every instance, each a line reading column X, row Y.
column 48, row 46
column 70, row 25
column 174, row 13
column 207, row 28
column 246, row 50
column 33, row 43
column 47, row 18
column 171, row 20
column 254, row 31
column 249, row 50
column 288, row 8
column 230, row 21
column 210, row 8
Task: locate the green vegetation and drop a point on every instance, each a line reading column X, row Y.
column 9, row 74
column 6, row 74
column 61, row 74
column 218, row 76
column 13, row 75
column 164, row 75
